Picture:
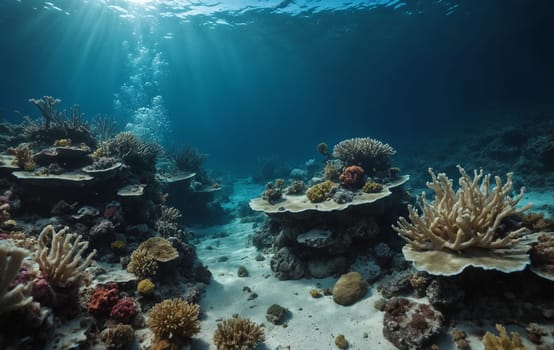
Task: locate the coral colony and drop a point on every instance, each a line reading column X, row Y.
column 94, row 254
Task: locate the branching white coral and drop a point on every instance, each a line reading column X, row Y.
column 62, row 265
column 10, row 263
column 469, row 217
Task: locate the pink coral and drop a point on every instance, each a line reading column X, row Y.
column 43, row 292
column 124, row 310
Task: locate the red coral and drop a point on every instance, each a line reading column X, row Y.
column 124, row 310
column 43, row 292
column 102, row 300
column 352, row 177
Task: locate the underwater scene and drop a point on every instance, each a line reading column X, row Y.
column 276, row 174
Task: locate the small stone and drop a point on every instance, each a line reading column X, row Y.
column 242, row 272
column 259, row 257
column 349, row 288
column 276, row 313
column 341, row 342
column 252, row 296
column 222, row 259
column 380, row 304
column 315, row 294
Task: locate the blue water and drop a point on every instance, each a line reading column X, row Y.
column 246, row 79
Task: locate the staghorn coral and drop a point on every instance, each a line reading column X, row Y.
column 237, row 334
column 61, row 264
column 321, row 191
column 11, row 298
column 173, row 321
column 57, row 125
column 465, row 228
column 503, row 341
column 372, row 155
column 469, row 217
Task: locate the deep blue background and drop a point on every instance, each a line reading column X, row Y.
column 267, row 83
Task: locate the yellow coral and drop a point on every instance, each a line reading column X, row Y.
column 173, row 321
column 145, row 287
column 62, row 143
column 237, row 334
column 320, row 192
column 503, row 341
column 372, row 187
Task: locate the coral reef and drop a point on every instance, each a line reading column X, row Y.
column 173, row 321
column 237, row 334
column 12, row 297
column 61, row 264
column 542, row 256
column 464, row 223
column 57, row 125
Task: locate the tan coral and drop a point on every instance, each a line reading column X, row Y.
column 142, row 264
column 463, row 226
column 61, row 263
column 173, row 321
column 503, row 341
column 17, row 297
column 237, row 334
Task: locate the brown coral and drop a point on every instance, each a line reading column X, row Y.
column 118, row 337
column 372, row 187
column 237, row 334
column 23, row 156
column 142, row 264
column 160, row 249
column 321, row 191
column 173, row 321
